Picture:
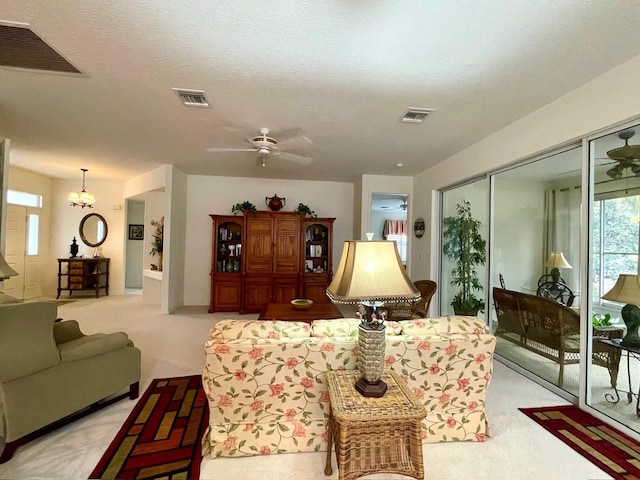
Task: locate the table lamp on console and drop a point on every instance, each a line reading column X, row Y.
column 627, row 290
column 370, row 273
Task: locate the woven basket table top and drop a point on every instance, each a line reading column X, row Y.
column 398, row 403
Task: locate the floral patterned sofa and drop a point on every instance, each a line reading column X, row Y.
column 265, row 380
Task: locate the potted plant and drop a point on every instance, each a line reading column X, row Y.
column 601, row 320
column 465, row 246
column 245, row 206
column 156, row 243
column 305, row 210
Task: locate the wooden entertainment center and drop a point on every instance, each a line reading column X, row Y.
column 268, row 257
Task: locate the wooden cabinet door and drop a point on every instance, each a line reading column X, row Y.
column 258, row 245
column 315, row 288
column 286, row 258
column 286, row 288
column 226, row 296
column 257, row 294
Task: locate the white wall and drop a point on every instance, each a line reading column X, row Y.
column 607, row 100
column 518, row 225
column 135, row 248
column 216, row 195
column 154, row 203
column 175, row 241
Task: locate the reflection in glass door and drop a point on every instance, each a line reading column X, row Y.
column 614, row 287
column 463, row 259
column 535, row 265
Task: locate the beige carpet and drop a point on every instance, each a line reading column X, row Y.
column 601, row 390
column 173, row 345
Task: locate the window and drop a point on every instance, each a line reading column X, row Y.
column 33, row 228
column 616, row 223
column 24, row 198
column 396, row 231
column 401, row 243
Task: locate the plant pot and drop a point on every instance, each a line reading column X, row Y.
column 467, row 312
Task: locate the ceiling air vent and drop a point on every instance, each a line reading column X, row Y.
column 192, row 98
column 417, row 115
column 23, row 48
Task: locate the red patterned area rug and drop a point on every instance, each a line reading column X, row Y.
column 612, row 451
column 161, row 437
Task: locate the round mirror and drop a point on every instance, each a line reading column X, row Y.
column 93, row 230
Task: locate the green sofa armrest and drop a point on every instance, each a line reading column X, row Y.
column 66, row 330
column 92, row 345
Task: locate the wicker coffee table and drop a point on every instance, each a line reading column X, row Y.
column 374, row 435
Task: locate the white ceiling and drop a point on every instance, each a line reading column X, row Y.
column 343, row 72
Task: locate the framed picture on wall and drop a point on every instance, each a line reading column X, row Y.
column 136, row 232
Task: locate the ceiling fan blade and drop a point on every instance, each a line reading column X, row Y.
column 301, row 159
column 292, row 137
column 216, row 149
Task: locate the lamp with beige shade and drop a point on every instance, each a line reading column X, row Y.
column 555, row 261
column 627, row 290
column 371, row 274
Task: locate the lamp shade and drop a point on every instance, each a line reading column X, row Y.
column 625, row 290
column 5, row 270
column 371, row 271
column 556, row 260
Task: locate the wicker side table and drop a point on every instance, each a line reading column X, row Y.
column 374, row 435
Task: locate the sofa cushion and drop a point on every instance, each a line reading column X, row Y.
column 346, row 328
column 447, row 325
column 275, row 329
column 92, row 345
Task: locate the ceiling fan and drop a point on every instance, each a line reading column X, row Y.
column 626, row 156
column 267, row 146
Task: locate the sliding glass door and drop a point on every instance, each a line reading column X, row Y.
column 613, row 269
column 535, row 257
column 561, row 273
column 463, row 253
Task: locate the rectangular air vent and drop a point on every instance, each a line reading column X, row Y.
column 192, row 98
column 417, row 115
column 23, row 48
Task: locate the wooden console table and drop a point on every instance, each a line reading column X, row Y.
column 286, row 311
column 83, row 274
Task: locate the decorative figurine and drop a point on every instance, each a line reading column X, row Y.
column 73, row 248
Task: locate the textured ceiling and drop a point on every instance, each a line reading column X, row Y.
column 342, row 72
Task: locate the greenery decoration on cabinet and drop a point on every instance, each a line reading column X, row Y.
column 464, row 244
column 156, row 243
column 245, row 206
column 305, row 210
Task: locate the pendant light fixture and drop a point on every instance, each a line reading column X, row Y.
column 82, row 199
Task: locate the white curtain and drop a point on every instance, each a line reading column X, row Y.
column 394, row 227
column 562, row 231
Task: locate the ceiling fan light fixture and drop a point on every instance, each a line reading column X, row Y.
column 615, row 172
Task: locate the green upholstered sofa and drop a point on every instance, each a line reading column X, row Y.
column 50, row 370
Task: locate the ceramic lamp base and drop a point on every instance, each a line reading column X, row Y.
column 631, row 317
column 370, row 360
column 375, row 389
